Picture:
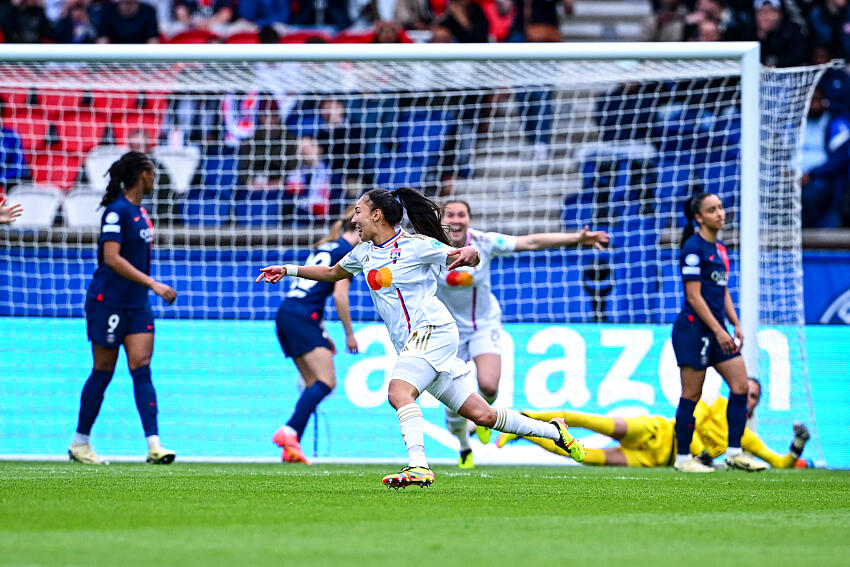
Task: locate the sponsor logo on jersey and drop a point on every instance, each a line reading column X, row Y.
column 436, row 244
column 720, row 278
column 459, row 279
column 146, row 234
column 378, row 279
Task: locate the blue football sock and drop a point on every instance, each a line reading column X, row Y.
column 145, row 399
column 306, row 405
column 91, row 399
column 685, row 426
column 736, row 417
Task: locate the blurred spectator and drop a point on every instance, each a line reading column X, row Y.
column 707, row 30
column 265, row 12
column 439, row 34
column 387, row 32
column 537, row 20
column 13, row 166
column 732, row 25
column 75, row 24
column 310, row 183
column 332, row 13
column 24, row 21
column 214, row 15
column 466, row 21
column 343, row 145
column 828, row 200
column 193, row 121
column 782, row 41
column 414, row 14
column 128, row 21
column 817, row 193
column 264, row 156
column 830, row 24
column 667, row 23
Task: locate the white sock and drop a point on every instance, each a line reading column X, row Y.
column 413, row 432
column 288, row 430
column 682, row 458
column 457, row 424
column 733, row 451
column 80, row 438
column 510, row 421
column 153, row 441
column 488, row 399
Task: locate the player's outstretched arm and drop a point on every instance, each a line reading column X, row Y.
column 9, row 213
column 273, row 274
column 543, row 240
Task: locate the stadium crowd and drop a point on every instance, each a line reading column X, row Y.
column 321, row 152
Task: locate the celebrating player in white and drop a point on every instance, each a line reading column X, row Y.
column 467, row 294
column 402, row 271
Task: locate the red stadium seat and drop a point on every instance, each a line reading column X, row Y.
column 114, row 101
column 303, row 36
column 15, row 101
column 55, row 168
column 57, row 102
column 124, row 125
column 81, row 131
column 195, row 36
column 354, row 37
column 156, row 103
column 243, row 37
column 31, row 125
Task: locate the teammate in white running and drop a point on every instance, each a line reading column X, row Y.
column 467, row 293
column 402, row 270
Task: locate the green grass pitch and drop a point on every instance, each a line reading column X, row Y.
column 263, row 514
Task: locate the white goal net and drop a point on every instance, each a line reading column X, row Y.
column 256, row 159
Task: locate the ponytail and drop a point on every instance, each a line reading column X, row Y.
column 692, row 208
column 124, row 173
column 341, row 225
column 423, row 213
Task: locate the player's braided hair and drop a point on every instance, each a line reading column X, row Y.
column 423, row 213
column 124, row 173
column 692, row 208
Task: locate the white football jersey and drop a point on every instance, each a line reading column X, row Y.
column 402, row 277
column 466, row 291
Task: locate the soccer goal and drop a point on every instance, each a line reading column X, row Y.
column 259, row 148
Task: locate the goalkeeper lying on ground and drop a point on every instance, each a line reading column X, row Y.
column 649, row 441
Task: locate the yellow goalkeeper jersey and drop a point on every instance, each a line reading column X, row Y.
column 711, row 434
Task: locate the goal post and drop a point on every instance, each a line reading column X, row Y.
column 536, row 137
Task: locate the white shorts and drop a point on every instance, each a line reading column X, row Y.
column 483, row 341
column 451, row 387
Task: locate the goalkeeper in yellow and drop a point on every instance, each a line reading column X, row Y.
column 649, row 441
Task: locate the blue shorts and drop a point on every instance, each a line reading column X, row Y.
column 107, row 325
column 695, row 345
column 299, row 333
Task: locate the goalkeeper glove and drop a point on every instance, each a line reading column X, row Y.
column 801, row 436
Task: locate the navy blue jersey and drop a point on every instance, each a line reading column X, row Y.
column 307, row 296
column 129, row 225
column 707, row 263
